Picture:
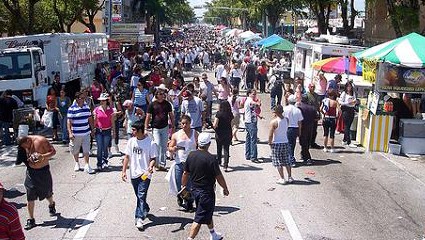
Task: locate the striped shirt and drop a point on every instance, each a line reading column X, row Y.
column 10, row 226
column 79, row 117
column 140, row 97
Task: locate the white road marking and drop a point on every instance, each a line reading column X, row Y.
column 292, row 226
column 401, row 167
column 86, row 225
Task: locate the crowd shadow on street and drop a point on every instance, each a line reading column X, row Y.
column 225, row 210
column 66, row 223
column 244, row 167
column 318, row 162
column 350, row 151
column 165, row 220
column 305, row 182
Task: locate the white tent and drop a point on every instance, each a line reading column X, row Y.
column 233, row 33
column 246, row 34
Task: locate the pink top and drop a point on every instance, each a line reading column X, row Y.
column 103, row 118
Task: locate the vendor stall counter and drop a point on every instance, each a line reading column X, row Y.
column 374, row 131
column 412, row 136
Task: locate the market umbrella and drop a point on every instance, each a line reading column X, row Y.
column 283, row 45
column 408, row 51
column 338, row 65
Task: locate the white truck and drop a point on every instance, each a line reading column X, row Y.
column 308, row 52
column 28, row 64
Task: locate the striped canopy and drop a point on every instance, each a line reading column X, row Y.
column 407, row 51
column 338, row 65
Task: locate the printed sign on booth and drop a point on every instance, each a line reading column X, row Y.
column 392, row 78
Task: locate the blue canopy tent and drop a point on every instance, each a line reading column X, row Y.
column 272, row 40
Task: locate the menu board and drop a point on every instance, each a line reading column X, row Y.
column 393, row 78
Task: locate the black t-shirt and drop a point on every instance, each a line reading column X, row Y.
column 224, row 128
column 203, row 169
column 250, row 71
column 159, row 111
column 6, row 111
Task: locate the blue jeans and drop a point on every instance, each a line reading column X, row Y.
column 251, row 141
column 141, row 190
column 63, row 124
column 161, row 139
column 4, row 127
column 292, row 140
column 103, row 138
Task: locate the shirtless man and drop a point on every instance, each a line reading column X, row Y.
column 35, row 151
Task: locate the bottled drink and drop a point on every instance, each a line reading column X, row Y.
column 145, row 176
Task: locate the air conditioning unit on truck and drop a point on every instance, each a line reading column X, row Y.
column 28, row 64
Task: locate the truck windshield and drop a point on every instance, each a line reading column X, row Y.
column 15, row 65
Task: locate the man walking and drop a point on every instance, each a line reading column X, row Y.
column 251, row 119
column 140, row 153
column 192, row 106
column 278, row 141
column 35, row 152
column 10, row 226
column 309, row 117
column 158, row 114
column 80, row 127
column 207, row 89
column 203, row 170
column 313, row 99
column 295, row 118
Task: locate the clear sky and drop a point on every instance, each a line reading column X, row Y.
column 359, row 6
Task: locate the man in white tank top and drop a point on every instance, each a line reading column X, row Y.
column 278, row 141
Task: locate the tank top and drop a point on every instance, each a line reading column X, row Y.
column 140, row 97
column 331, row 112
column 189, row 145
column 280, row 133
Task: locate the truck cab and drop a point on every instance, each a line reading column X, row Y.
column 23, row 70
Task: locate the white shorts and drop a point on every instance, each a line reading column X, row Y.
column 77, row 142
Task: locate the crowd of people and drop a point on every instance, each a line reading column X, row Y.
column 165, row 117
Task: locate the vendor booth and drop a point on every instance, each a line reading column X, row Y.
column 396, row 67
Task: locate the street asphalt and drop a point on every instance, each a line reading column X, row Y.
column 350, row 194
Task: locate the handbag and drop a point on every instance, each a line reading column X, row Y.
column 184, row 194
column 47, row 119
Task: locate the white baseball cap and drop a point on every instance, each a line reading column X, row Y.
column 204, row 139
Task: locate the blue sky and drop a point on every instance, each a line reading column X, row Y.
column 359, row 5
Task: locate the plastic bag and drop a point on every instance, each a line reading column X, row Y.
column 47, row 119
column 37, row 117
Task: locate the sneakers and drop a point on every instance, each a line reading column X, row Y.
column 139, row 224
column 325, row 149
column 105, row 166
column 88, row 169
column 52, row 210
column 290, row 180
column 30, row 224
column 352, row 145
column 77, row 167
column 308, row 162
column 344, row 143
column 216, row 236
column 332, row 150
column 281, row 181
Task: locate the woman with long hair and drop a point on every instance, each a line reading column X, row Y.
column 236, row 104
column 223, row 132
column 140, row 96
column 223, row 90
column 348, row 101
column 329, row 109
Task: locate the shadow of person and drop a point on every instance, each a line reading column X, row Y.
column 244, row 167
column 224, row 210
column 67, row 223
column 308, row 181
column 319, row 163
column 165, row 220
column 13, row 193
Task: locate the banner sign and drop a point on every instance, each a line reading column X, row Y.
column 116, row 10
column 369, row 70
column 392, row 78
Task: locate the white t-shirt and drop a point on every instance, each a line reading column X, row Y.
column 250, row 115
column 219, row 71
column 140, row 153
column 294, row 115
column 193, row 108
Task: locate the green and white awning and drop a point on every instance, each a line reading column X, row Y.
column 407, row 51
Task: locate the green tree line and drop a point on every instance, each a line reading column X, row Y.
column 41, row 16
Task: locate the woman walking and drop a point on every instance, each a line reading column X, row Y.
column 329, row 109
column 235, row 76
column 52, row 106
column 140, row 96
column 236, row 104
column 223, row 132
column 63, row 103
column 105, row 123
column 348, row 101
